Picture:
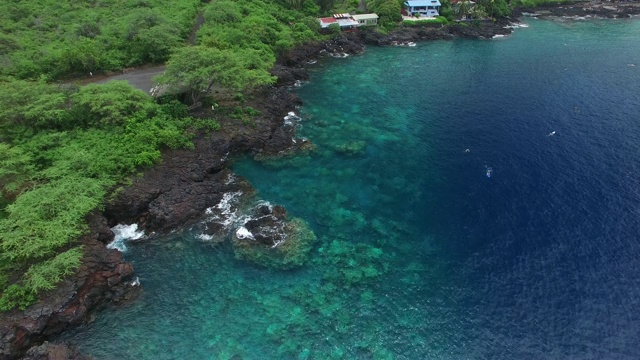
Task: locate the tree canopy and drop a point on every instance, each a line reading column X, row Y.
column 62, row 38
column 197, row 69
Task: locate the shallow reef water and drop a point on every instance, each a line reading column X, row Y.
column 419, row 254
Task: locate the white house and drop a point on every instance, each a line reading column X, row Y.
column 428, row 8
column 345, row 21
column 366, row 19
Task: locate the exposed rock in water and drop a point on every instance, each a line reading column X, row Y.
column 269, row 239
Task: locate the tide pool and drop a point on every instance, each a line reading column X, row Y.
column 420, row 254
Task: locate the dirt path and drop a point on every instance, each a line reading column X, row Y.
column 194, row 31
column 142, row 78
column 139, row 78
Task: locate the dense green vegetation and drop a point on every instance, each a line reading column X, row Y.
column 62, row 38
column 238, row 44
column 62, row 150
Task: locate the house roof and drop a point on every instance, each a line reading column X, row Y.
column 341, row 21
column 328, row 20
column 347, row 22
column 423, row 3
column 365, row 16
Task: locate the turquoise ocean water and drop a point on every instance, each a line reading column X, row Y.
column 421, row 254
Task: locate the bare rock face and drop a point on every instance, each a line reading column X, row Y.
column 103, row 278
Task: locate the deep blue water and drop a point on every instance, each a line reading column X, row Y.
column 538, row 261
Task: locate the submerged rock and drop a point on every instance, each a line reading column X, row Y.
column 350, row 264
column 49, row 351
column 352, row 148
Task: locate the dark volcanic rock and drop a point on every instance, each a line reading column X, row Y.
column 586, row 9
column 48, row 351
column 177, row 191
column 267, row 224
column 291, row 66
column 102, row 278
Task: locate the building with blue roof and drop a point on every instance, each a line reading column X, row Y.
column 426, row 8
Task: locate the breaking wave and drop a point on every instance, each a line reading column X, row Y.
column 122, row 234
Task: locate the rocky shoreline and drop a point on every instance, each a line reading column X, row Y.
column 104, row 278
column 582, row 10
column 188, row 182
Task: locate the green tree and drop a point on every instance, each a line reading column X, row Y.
column 389, row 11
column 107, row 104
column 28, row 105
column 463, row 8
column 197, row 69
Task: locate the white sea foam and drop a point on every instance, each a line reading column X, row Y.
column 516, row 26
column 498, row 36
column 264, row 203
column 122, row 234
column 225, row 207
column 339, row 55
column 223, row 213
column 204, row 237
column 278, row 242
column 403, row 43
column 291, row 119
column 244, row 233
column 231, row 178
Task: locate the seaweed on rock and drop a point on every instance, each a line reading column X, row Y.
column 274, row 243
